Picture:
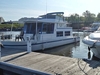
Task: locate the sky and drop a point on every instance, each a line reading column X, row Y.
column 16, row 9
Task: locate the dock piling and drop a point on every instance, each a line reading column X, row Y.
column 29, row 44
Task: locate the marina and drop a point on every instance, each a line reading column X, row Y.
column 45, row 37
column 51, row 64
column 73, row 62
column 75, row 50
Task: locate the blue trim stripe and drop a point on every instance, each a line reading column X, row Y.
column 41, row 43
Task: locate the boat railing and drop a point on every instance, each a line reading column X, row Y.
column 10, row 37
column 5, row 37
column 20, row 36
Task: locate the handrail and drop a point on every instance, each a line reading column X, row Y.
column 17, row 70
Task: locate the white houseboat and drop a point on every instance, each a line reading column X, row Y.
column 46, row 31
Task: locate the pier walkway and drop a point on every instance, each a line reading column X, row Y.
column 51, row 64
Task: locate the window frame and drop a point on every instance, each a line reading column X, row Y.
column 59, row 33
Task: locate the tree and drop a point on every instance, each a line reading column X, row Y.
column 89, row 17
column 73, row 18
column 98, row 17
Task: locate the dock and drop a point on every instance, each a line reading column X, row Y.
column 51, row 64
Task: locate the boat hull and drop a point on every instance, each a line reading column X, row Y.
column 96, row 51
column 39, row 45
column 94, row 46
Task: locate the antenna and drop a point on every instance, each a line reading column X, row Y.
column 46, row 8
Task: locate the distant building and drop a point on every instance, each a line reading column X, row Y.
column 1, row 20
column 22, row 20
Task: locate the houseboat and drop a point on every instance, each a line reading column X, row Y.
column 46, row 31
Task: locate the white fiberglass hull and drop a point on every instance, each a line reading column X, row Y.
column 39, row 45
column 94, row 45
column 96, row 52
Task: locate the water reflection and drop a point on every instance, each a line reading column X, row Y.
column 65, row 50
column 76, row 50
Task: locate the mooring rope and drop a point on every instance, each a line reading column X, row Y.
column 81, row 68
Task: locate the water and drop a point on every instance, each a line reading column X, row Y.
column 13, row 33
column 76, row 50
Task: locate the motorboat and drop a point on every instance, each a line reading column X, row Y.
column 93, row 42
column 95, row 26
column 46, row 31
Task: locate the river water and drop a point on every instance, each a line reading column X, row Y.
column 76, row 50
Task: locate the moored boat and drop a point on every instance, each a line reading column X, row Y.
column 93, row 42
column 46, row 31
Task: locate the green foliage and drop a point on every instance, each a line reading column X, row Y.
column 14, row 25
column 73, row 18
column 85, row 20
column 89, row 17
column 98, row 17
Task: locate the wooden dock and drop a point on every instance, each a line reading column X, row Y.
column 52, row 64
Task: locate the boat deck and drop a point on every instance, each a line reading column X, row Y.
column 52, row 64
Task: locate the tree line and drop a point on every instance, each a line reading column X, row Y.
column 85, row 20
column 7, row 27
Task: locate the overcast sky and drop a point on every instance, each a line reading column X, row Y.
column 16, row 9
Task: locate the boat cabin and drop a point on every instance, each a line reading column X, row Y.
column 49, row 26
column 95, row 26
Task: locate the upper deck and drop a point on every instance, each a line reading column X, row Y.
column 53, row 17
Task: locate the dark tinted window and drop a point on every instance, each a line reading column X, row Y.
column 59, row 33
column 67, row 33
column 48, row 28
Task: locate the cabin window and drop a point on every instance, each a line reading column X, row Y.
column 30, row 28
column 67, row 33
column 48, row 28
column 39, row 28
column 33, row 28
column 59, row 33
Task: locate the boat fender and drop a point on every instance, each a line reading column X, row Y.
column 89, row 54
column 89, row 48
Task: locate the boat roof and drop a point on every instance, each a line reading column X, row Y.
column 48, row 18
column 45, row 21
column 56, row 13
column 53, row 14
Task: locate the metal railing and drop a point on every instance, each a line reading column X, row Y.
column 9, row 69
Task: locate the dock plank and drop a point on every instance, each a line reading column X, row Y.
column 52, row 64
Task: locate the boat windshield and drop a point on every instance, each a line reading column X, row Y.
column 30, row 28
column 98, row 29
